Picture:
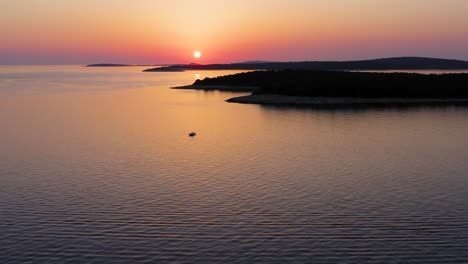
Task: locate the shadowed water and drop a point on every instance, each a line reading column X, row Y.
column 96, row 166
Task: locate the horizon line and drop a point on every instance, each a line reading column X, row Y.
column 253, row 61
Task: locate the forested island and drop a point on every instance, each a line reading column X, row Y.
column 323, row 87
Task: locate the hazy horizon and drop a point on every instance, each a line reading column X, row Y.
column 168, row 32
column 190, row 62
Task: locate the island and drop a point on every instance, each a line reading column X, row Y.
column 309, row 87
column 108, row 65
column 121, row 65
column 399, row 63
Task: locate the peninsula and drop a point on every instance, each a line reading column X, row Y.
column 306, row 87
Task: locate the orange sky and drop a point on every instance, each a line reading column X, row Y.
column 164, row 31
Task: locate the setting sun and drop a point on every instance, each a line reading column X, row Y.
column 197, row 54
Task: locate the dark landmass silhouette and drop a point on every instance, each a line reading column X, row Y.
column 167, row 69
column 221, row 87
column 400, row 63
column 107, row 65
column 252, row 62
column 123, row 65
column 333, row 87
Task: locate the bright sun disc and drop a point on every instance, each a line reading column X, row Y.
column 197, row 54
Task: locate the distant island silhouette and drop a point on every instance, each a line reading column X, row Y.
column 399, row 63
column 121, row 65
column 340, row 87
column 107, row 65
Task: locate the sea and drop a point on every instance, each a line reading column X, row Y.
column 96, row 166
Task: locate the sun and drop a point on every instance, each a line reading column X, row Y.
column 197, row 54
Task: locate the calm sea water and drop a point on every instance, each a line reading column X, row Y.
column 96, row 166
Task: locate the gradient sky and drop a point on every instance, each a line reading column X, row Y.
column 169, row 31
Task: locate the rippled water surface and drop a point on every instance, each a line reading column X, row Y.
column 96, row 166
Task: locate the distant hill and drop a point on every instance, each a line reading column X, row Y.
column 400, row 63
column 252, row 62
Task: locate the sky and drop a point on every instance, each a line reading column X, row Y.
column 169, row 31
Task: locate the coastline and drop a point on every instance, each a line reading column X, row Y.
column 229, row 88
column 275, row 99
column 337, row 88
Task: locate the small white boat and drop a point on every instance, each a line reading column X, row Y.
column 192, row 134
